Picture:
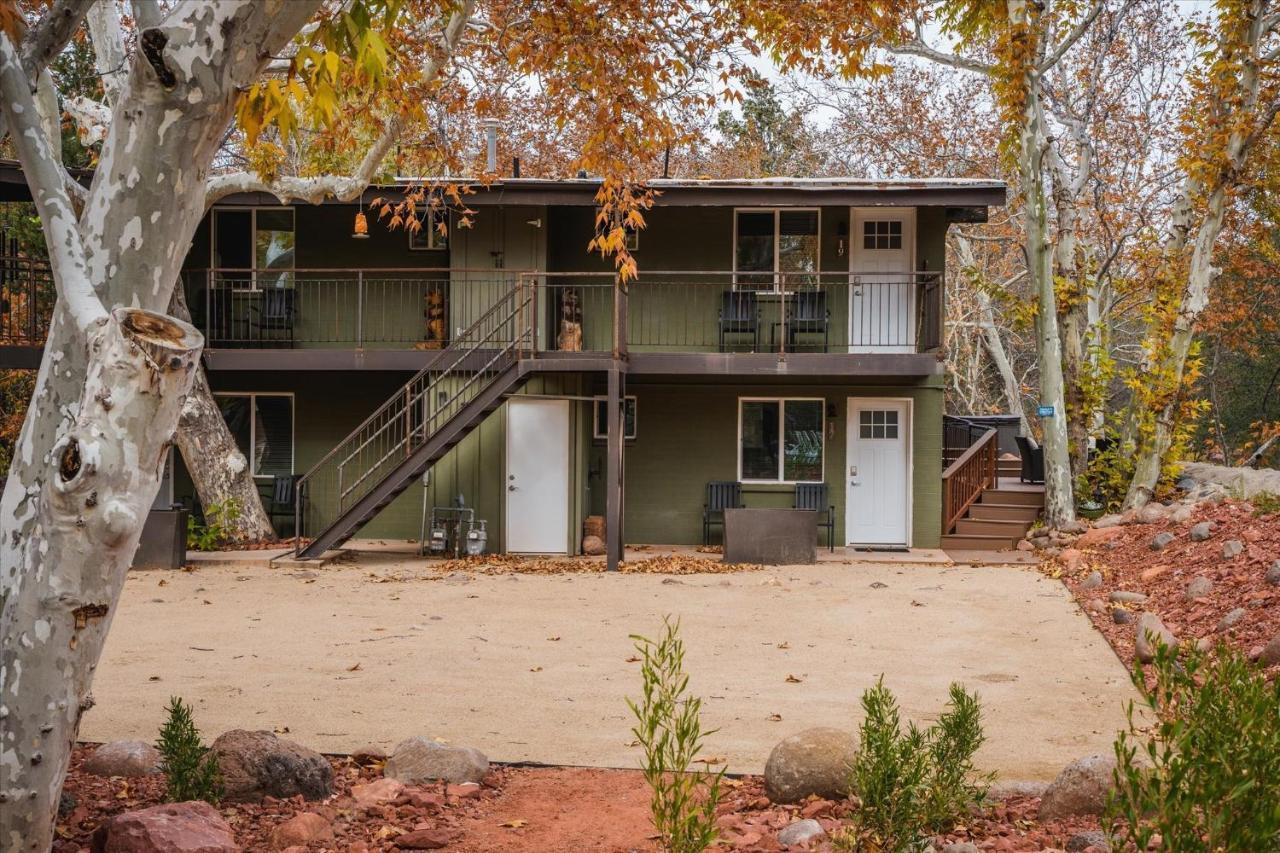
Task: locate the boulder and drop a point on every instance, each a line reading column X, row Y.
column 420, row 759
column 1124, row 596
column 1073, row 528
column 960, row 847
column 1273, row 574
column 1231, row 618
column 800, row 833
column 1162, row 540
column 1096, row 605
column 1182, row 514
column 376, row 793
column 1232, row 548
column 1152, row 513
column 1093, row 581
column 593, row 546
column 1198, row 588
column 1112, row 520
column 170, row 828
column 301, row 830
column 259, row 764
column 128, row 758
column 424, row 839
column 1080, row 789
column 814, row 761
column 1120, row 616
column 1270, row 655
column 1151, row 632
column 1202, row 531
column 1071, row 558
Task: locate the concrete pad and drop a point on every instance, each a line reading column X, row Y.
column 537, row 668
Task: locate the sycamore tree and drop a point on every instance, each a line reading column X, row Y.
column 312, row 95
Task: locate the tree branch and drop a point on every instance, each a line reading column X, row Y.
column 45, row 177
column 917, row 47
column 92, row 118
column 51, row 33
column 147, row 13
column 107, row 37
column 1077, row 32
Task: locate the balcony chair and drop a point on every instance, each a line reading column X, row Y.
column 275, row 312
column 284, row 498
column 1032, row 461
column 807, row 314
column 740, row 315
column 814, row 496
column 721, row 495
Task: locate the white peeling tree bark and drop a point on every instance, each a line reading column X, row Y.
column 114, row 372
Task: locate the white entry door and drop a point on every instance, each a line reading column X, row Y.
column 537, row 476
column 878, row 472
column 882, row 293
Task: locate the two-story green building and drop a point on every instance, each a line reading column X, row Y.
column 782, row 333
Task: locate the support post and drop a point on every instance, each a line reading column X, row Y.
column 613, row 475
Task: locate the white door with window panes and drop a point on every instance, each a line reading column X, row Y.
column 882, row 291
column 878, row 473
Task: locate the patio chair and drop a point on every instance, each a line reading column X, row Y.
column 814, row 496
column 740, row 315
column 1032, row 461
column 721, row 495
column 276, row 312
column 807, row 314
column 284, row 498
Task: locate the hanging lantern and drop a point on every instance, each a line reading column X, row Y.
column 361, row 229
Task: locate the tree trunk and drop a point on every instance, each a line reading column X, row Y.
column 74, row 535
column 218, row 468
column 1008, row 380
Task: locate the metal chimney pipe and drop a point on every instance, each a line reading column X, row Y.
column 491, row 144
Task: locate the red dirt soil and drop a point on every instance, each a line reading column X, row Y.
column 553, row 809
column 1127, row 562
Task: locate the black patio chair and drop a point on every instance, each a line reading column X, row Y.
column 740, row 315
column 721, row 495
column 807, row 314
column 275, row 312
column 814, row 496
column 284, row 498
column 1032, row 461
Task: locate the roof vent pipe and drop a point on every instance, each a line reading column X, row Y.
column 491, row 144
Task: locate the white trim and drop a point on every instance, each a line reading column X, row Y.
column 253, row 425
column 851, row 435
column 599, row 434
column 777, row 219
column 822, row 466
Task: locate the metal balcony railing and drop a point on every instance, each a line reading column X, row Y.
column 27, row 297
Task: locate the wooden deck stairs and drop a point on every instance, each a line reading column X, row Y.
column 998, row 518
column 985, row 505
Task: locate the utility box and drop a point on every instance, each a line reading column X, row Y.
column 164, row 540
column 771, row 537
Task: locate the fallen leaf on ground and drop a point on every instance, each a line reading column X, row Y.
column 514, row 824
column 791, row 679
column 784, row 645
column 535, row 669
column 353, row 668
column 774, row 718
column 554, row 639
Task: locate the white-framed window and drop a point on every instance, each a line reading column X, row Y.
column 781, row 439
column 770, row 243
column 882, row 234
column 262, row 424
column 600, row 409
column 428, row 237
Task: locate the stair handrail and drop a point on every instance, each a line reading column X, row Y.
column 509, row 308
column 964, row 480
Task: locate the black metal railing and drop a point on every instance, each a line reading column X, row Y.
column 27, row 297
column 958, row 435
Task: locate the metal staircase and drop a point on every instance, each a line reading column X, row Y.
column 418, row 425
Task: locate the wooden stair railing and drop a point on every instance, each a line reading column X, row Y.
column 964, row 479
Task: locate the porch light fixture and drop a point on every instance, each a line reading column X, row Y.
column 360, row 230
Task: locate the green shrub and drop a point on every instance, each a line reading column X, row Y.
column 669, row 729
column 914, row 782
column 1265, row 503
column 192, row 770
column 212, row 534
column 1201, row 767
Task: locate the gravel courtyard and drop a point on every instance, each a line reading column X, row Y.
column 537, row 667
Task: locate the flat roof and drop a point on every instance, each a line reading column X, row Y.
column 781, row 190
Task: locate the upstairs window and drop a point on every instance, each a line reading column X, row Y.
column 773, row 245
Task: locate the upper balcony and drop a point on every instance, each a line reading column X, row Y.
column 663, row 322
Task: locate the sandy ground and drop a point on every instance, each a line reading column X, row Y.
column 537, row 668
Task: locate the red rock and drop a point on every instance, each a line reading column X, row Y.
column 463, row 792
column 171, row 828
column 420, row 799
column 1153, row 572
column 1071, row 558
column 746, row 839
column 424, row 839
column 817, row 807
column 1095, row 536
column 303, row 829
column 376, row 793
column 357, row 847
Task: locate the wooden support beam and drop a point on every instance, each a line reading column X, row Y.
column 613, row 475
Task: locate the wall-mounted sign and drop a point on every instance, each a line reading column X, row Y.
column 1044, row 411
